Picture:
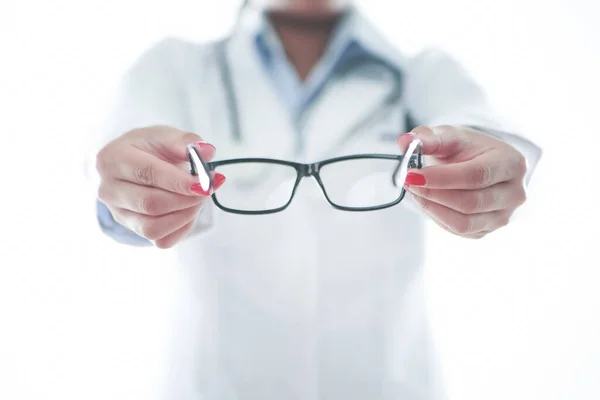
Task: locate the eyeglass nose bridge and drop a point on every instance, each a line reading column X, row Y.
column 308, row 170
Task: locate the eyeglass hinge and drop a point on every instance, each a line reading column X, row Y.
column 415, row 161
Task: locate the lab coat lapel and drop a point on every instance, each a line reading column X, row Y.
column 266, row 127
column 341, row 107
column 350, row 99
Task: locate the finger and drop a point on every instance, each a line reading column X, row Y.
column 175, row 237
column 478, row 235
column 493, row 198
column 171, row 144
column 441, row 141
column 207, row 151
column 155, row 227
column 463, row 224
column 481, row 172
column 144, row 199
column 142, row 168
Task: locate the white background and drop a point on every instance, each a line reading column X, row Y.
column 516, row 315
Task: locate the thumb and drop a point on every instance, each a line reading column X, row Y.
column 440, row 141
column 170, row 144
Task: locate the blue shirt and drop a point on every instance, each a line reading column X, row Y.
column 296, row 94
column 346, row 44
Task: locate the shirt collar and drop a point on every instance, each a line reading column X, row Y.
column 353, row 36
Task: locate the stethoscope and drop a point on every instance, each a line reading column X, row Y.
column 387, row 105
column 390, row 102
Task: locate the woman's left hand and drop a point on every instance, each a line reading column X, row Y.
column 474, row 183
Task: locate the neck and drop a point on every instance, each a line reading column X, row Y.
column 304, row 38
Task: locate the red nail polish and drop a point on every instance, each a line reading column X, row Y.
column 218, row 180
column 414, row 179
column 196, row 188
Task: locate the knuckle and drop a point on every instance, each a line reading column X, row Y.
column 145, row 175
column 521, row 196
column 497, row 197
column 463, row 225
column 164, row 244
column 479, row 235
column 175, row 237
column 151, row 229
column 149, row 205
column 480, row 175
column 178, row 187
column 503, row 219
column 103, row 193
column 471, row 202
column 521, row 166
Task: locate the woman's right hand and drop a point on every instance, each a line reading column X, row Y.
column 145, row 187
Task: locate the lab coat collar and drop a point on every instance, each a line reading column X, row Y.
column 267, row 120
column 354, row 28
column 370, row 39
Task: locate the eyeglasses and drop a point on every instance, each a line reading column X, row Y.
column 361, row 182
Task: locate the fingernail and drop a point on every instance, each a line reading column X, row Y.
column 404, row 135
column 218, row 180
column 414, row 179
column 208, row 149
column 204, row 145
column 197, row 188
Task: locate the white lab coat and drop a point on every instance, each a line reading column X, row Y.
column 311, row 303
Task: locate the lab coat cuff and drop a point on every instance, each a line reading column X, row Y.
column 116, row 231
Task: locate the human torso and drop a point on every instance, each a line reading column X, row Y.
column 312, row 302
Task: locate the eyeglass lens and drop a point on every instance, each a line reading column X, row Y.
column 354, row 183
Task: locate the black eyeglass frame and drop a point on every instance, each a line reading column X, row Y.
column 313, row 169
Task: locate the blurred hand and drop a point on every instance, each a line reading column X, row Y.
column 476, row 181
column 146, row 188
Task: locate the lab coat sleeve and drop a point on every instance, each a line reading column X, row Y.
column 149, row 94
column 439, row 91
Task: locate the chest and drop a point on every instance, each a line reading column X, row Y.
column 349, row 117
column 241, row 109
column 244, row 117
column 310, row 241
